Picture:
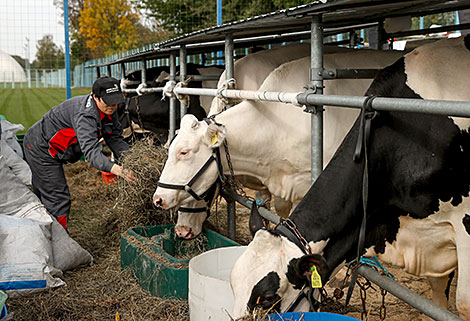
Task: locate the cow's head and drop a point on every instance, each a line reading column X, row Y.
column 272, row 271
column 188, row 178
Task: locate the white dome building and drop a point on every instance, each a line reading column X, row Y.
column 10, row 70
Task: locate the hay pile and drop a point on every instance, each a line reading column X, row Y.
column 133, row 201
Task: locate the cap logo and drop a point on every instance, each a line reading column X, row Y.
column 88, row 103
column 112, row 89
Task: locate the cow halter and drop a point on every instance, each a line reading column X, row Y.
column 288, row 229
column 207, row 195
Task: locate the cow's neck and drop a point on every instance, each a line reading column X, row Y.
column 414, row 162
column 259, row 141
column 335, row 209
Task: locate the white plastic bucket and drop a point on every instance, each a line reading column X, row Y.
column 210, row 296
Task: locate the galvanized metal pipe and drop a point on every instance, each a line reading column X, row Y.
column 263, row 212
column 229, row 72
column 144, row 71
column 200, row 77
column 144, row 90
column 413, row 299
column 440, row 107
column 316, row 85
column 288, row 98
column 172, row 99
column 229, row 69
column 123, row 70
column 183, row 72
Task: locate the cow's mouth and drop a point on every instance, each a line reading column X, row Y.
column 184, row 232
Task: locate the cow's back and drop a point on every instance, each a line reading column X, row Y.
column 279, row 134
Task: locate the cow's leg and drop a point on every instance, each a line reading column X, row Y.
column 438, row 288
column 282, row 207
column 462, row 238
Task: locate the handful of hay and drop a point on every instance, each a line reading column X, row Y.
column 133, row 204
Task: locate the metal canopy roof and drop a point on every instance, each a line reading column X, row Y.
column 335, row 13
column 294, row 23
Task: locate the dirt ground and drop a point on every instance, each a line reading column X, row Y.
column 103, row 292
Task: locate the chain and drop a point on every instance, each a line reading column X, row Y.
column 383, row 310
column 363, row 287
column 232, row 180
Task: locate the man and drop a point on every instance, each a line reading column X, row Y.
column 68, row 131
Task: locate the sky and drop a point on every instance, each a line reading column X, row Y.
column 32, row 19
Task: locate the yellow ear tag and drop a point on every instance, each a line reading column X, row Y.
column 214, row 139
column 316, row 279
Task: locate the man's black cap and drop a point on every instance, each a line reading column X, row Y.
column 108, row 88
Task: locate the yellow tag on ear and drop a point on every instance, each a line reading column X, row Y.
column 316, row 279
column 214, row 139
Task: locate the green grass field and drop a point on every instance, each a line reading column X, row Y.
column 27, row 106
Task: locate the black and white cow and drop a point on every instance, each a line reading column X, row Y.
column 150, row 111
column 418, row 165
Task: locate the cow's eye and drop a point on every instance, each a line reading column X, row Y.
column 183, row 153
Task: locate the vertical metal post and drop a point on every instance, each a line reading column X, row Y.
column 109, row 70
column 380, row 35
column 144, row 71
column 316, row 85
column 229, row 73
column 67, row 49
column 172, row 99
column 183, row 74
column 98, row 72
column 123, row 70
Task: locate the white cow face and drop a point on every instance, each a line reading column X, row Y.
column 270, row 273
column 187, row 154
column 189, row 225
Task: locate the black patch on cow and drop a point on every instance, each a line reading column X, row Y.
column 391, row 82
column 466, row 41
column 466, row 223
column 299, row 273
column 264, row 293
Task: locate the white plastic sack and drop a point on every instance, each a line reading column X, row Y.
column 17, row 164
column 9, row 131
column 26, row 257
column 67, row 254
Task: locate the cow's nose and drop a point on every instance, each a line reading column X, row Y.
column 158, row 202
column 184, row 232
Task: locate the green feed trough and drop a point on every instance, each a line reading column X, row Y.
column 152, row 253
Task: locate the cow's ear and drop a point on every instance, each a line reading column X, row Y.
column 299, row 270
column 256, row 221
column 215, row 135
column 164, row 76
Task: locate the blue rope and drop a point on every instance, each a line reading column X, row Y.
column 376, row 264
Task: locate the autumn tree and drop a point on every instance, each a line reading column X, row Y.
column 49, row 55
column 108, row 26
